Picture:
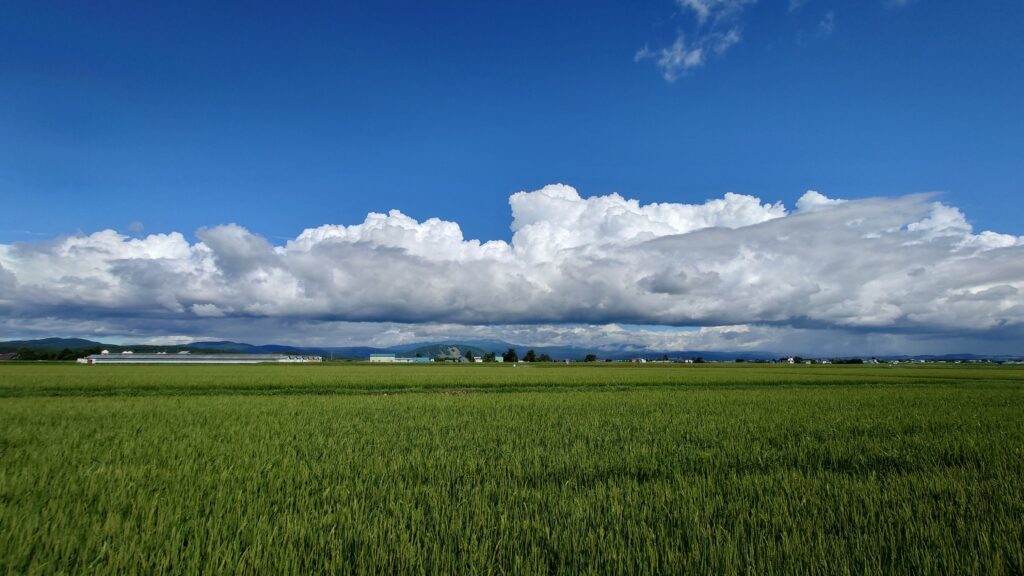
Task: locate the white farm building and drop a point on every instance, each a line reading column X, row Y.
column 391, row 358
column 186, row 358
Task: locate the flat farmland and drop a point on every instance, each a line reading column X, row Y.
column 498, row 469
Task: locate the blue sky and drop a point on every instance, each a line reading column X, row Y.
column 188, row 169
column 277, row 117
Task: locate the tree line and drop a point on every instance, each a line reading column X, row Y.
column 25, row 353
column 511, row 355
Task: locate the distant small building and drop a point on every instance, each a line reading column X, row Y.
column 8, row 356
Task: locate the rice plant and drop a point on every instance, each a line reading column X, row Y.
column 579, row 469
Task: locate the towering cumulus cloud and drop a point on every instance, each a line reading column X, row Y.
column 897, row 265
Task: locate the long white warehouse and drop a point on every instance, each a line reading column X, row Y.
column 397, row 359
column 195, row 358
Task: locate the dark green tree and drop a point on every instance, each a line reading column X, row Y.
column 510, row 355
column 531, row 356
column 544, row 358
column 590, row 358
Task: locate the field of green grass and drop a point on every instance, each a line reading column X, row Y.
column 492, row 469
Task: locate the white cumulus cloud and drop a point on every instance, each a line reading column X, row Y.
column 907, row 265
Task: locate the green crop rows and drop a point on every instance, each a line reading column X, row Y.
column 495, row 469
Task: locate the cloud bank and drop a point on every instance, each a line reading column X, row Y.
column 734, row 265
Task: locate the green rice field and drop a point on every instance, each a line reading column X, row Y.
column 495, row 469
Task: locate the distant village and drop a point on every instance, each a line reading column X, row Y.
column 454, row 354
column 445, row 353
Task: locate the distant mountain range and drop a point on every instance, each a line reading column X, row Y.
column 431, row 349
column 48, row 344
column 427, row 349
